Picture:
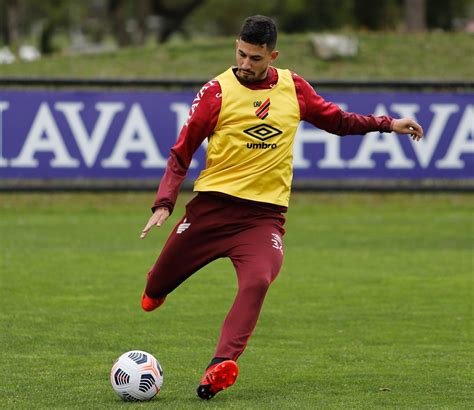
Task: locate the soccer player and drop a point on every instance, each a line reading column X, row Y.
column 249, row 114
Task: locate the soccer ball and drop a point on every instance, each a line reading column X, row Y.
column 136, row 376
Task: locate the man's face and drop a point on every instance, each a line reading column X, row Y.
column 253, row 60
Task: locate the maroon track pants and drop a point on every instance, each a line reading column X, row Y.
column 215, row 227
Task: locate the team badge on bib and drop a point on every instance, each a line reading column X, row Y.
column 262, row 111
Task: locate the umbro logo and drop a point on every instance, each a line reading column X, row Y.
column 183, row 226
column 263, row 132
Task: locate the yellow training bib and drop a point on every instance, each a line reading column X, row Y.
column 250, row 153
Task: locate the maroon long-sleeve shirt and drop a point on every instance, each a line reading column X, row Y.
column 204, row 114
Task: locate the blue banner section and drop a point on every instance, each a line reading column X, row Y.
column 45, row 135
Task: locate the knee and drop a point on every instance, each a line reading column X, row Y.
column 256, row 283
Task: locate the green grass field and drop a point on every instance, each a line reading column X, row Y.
column 443, row 56
column 372, row 309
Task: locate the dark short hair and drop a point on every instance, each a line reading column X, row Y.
column 259, row 30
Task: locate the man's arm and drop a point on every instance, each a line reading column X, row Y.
column 200, row 124
column 329, row 117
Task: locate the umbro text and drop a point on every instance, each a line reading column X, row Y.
column 260, row 145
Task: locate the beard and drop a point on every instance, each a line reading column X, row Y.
column 249, row 76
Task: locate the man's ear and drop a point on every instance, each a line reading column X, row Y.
column 274, row 55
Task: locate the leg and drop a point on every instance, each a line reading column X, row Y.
column 192, row 244
column 257, row 260
column 257, row 254
column 183, row 254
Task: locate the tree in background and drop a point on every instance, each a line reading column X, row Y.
column 444, row 14
column 315, row 15
column 173, row 15
column 18, row 16
column 118, row 19
column 224, row 17
column 128, row 18
column 56, row 16
column 292, row 16
column 129, row 22
column 415, row 15
column 376, row 15
column 295, row 16
column 10, row 22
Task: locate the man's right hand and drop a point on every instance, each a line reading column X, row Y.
column 158, row 218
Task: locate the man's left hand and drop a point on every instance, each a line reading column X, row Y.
column 408, row 126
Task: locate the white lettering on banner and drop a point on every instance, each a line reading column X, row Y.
column 332, row 147
column 462, row 143
column 378, row 143
column 89, row 145
column 425, row 148
column 3, row 107
column 44, row 136
column 182, row 112
column 136, row 136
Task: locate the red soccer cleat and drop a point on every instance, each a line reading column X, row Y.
column 149, row 304
column 218, row 377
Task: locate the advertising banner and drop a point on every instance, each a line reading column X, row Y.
column 114, row 135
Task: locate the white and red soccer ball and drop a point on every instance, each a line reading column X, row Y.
column 136, row 376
